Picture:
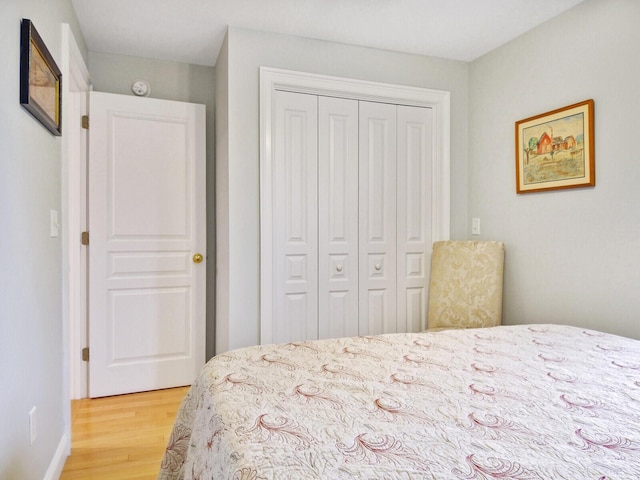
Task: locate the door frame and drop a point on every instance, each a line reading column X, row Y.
column 273, row 79
column 74, row 203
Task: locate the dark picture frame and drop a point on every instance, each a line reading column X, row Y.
column 555, row 150
column 40, row 79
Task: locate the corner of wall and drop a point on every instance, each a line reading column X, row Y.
column 222, row 198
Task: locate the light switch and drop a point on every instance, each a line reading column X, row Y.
column 475, row 226
column 54, row 223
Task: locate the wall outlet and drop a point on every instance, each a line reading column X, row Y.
column 33, row 432
column 475, row 226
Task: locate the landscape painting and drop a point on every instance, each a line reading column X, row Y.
column 554, row 150
column 40, row 79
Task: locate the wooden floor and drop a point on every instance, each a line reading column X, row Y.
column 121, row 437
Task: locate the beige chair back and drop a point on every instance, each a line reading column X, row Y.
column 465, row 288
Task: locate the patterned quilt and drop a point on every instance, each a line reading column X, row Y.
column 528, row 402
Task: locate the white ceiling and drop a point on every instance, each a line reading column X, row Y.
column 192, row 31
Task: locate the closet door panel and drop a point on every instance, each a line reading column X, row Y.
column 295, row 229
column 338, row 217
column 414, row 213
column 377, row 218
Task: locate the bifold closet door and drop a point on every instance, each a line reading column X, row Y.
column 338, row 217
column 377, row 218
column 395, row 211
column 295, row 218
column 351, row 217
column 415, row 126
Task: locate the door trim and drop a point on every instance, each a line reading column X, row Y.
column 74, row 200
column 271, row 80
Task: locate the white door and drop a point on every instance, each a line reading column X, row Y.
column 377, row 218
column 337, row 217
column 295, row 227
column 415, row 153
column 146, row 224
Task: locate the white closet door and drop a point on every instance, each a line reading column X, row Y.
column 377, row 218
column 338, row 217
column 414, row 214
column 295, row 229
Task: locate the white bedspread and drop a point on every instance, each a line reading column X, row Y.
column 519, row 402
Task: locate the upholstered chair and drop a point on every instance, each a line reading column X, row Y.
column 465, row 288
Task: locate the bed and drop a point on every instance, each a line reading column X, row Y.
column 526, row 402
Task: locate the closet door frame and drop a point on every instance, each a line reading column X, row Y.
column 272, row 80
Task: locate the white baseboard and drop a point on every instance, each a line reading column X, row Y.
column 59, row 458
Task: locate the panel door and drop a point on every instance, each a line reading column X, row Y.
column 295, row 218
column 377, row 218
column 337, row 217
column 146, row 221
column 413, row 216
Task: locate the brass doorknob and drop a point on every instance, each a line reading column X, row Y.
column 197, row 258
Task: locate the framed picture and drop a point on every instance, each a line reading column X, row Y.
column 40, row 79
column 555, row 150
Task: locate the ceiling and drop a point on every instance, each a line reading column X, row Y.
column 192, row 31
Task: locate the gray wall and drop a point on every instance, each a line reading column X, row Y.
column 170, row 81
column 31, row 323
column 246, row 51
column 573, row 256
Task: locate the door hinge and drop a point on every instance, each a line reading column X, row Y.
column 84, row 238
column 85, row 122
column 85, row 354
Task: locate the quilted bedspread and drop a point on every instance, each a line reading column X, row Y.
column 528, row 402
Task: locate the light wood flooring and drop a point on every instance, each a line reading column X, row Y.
column 121, row 437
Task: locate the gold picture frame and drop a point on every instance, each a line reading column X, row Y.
column 40, row 79
column 555, row 150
